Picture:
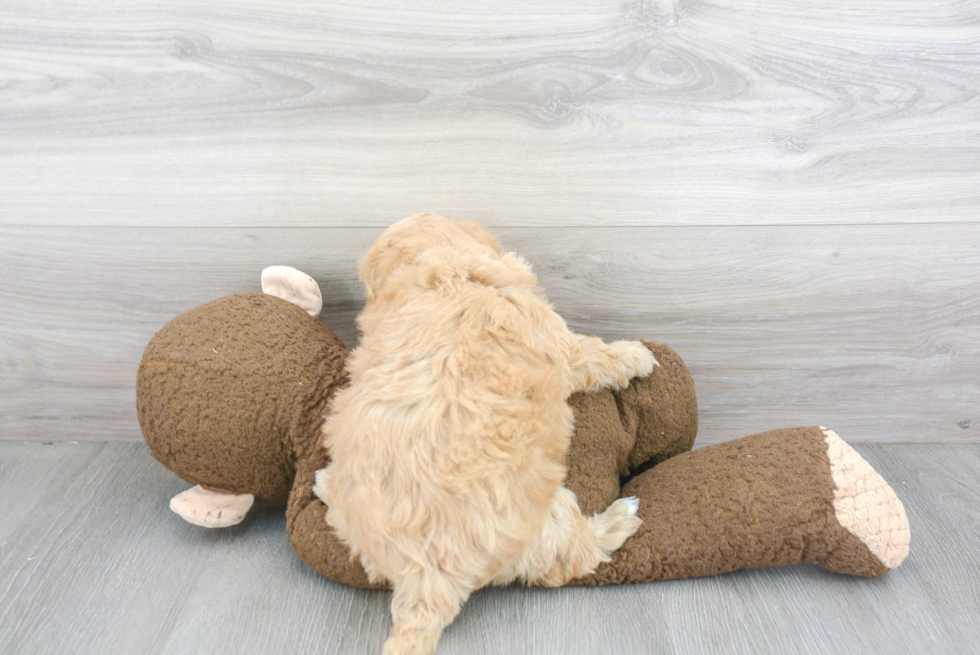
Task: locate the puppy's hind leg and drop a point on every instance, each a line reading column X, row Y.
column 570, row 545
column 424, row 602
column 598, row 365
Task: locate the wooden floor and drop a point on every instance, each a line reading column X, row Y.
column 93, row 561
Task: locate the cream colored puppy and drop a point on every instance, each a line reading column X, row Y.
column 448, row 447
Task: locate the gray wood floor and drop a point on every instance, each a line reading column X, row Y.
column 93, row 561
column 785, row 191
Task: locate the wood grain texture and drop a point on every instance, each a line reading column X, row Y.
column 704, row 112
column 868, row 329
column 92, row 561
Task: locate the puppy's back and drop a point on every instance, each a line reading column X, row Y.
column 454, row 428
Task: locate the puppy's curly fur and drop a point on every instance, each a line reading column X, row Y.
column 448, row 447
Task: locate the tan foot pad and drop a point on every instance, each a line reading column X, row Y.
column 293, row 286
column 865, row 505
column 210, row 509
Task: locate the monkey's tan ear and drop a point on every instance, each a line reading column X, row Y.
column 293, row 286
column 210, row 509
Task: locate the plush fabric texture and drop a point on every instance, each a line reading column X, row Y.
column 763, row 500
column 865, row 504
column 312, row 539
column 623, row 432
column 657, row 414
column 232, row 393
column 661, row 410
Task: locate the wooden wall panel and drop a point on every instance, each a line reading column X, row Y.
column 786, row 192
column 871, row 330
column 249, row 114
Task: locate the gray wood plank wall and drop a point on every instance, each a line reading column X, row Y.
column 786, row 192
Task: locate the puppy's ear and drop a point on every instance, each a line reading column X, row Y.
column 442, row 268
column 507, row 271
column 448, row 268
column 480, row 233
column 380, row 261
column 402, row 244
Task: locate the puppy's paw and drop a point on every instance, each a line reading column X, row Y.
column 615, row 525
column 637, row 360
column 412, row 642
column 625, row 506
column 320, row 485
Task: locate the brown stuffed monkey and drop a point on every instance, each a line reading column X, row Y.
column 231, row 396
